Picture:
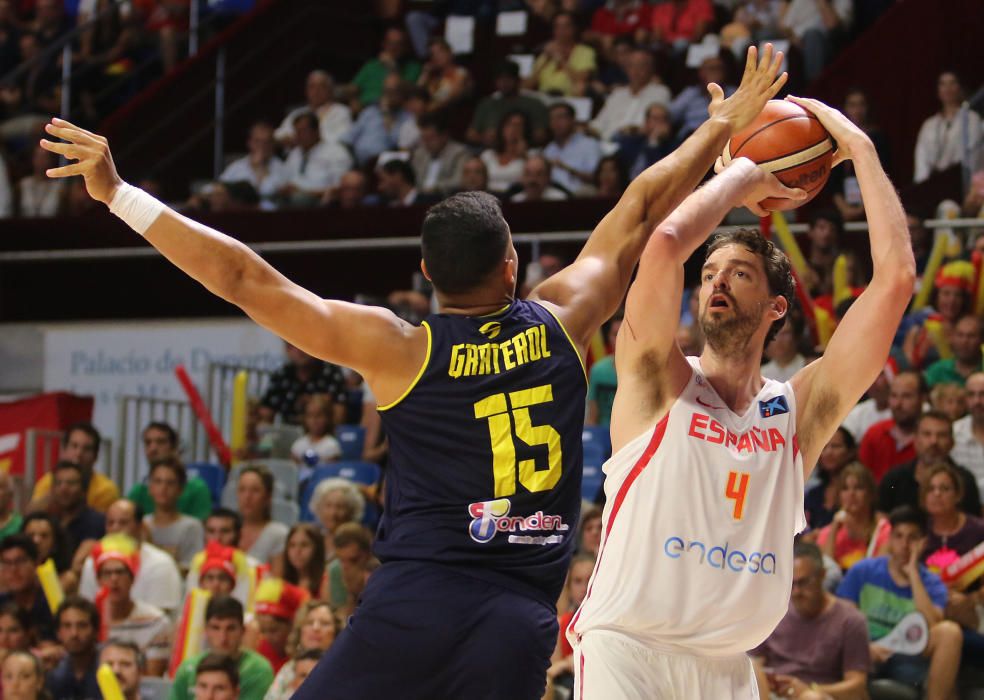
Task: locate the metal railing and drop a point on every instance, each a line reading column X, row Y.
column 218, row 390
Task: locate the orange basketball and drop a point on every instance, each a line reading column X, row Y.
column 790, row 143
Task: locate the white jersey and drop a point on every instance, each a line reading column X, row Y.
column 697, row 548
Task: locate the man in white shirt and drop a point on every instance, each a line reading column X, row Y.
column 334, row 118
column 157, row 578
column 625, row 109
column 808, row 23
column 968, row 432
column 785, row 359
column 536, row 182
column 572, row 156
column 313, row 165
column 944, row 137
column 259, row 167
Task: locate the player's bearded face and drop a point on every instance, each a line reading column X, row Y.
column 728, row 331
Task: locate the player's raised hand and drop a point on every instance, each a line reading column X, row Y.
column 759, row 84
column 762, row 185
column 848, row 135
column 93, row 160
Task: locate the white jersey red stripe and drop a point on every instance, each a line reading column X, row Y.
column 698, row 527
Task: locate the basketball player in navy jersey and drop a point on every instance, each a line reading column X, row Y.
column 483, row 405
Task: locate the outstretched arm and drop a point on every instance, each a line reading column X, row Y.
column 589, row 291
column 829, row 388
column 360, row 337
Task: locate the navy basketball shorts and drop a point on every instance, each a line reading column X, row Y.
column 425, row 631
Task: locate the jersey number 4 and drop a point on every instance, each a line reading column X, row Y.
column 736, row 490
column 503, row 411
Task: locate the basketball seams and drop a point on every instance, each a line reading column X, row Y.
column 766, row 163
column 762, row 128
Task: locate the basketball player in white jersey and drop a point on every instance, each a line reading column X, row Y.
column 705, row 487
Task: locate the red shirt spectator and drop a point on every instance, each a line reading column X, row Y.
column 685, row 20
column 621, row 17
column 884, row 447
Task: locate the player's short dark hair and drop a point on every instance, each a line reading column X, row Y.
column 907, row 515
column 83, row 427
column 22, row 542
column 84, row 605
column 221, row 663
column 224, row 607
column 778, row 271
column 402, row 168
column 809, row 551
column 172, row 434
column 174, row 465
column 463, row 239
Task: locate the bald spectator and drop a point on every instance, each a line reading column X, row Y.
column 933, row 443
column 10, row 519
column 572, row 155
column 438, row 160
column 313, row 165
column 474, row 176
column 397, row 183
column 689, row 108
column 506, row 99
column 889, row 443
column 625, row 109
column 333, row 118
column 352, row 192
column 80, row 444
column 378, row 126
column 157, row 579
column 393, row 59
column 536, row 182
column 965, row 341
column 968, row 432
column 260, row 167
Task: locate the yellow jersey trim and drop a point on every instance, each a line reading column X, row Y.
column 584, row 367
column 501, row 311
column 423, row 368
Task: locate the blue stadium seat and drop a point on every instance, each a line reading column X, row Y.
column 352, row 438
column 597, row 440
column 592, row 479
column 358, row 472
column 214, row 475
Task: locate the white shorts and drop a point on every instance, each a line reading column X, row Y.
column 611, row 666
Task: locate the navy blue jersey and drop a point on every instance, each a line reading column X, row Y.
column 485, row 451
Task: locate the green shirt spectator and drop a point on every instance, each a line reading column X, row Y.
column 12, row 525
column 601, row 391
column 391, row 59
column 965, row 342
column 255, row 677
column 944, row 372
column 195, row 500
column 506, row 99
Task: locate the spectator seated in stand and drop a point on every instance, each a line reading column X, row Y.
column 77, row 624
column 179, row 535
column 873, row 409
column 678, row 23
column 822, row 499
column 261, row 537
column 445, row 81
column 304, row 559
column 536, row 183
column 619, row 18
column 965, row 344
column 785, row 359
column 216, row 678
column 573, row 156
column 222, row 568
column 950, row 300
column 565, row 67
column 315, row 629
column 933, row 444
column 333, row 119
column 10, row 519
column 224, row 634
column 28, row 103
column 52, row 543
column 39, row 196
column 944, row 137
column 393, row 59
column 301, row 664
column 561, row 671
column 886, row 589
column 312, row 166
column 689, row 108
column 624, row 112
column 613, row 72
column 318, row 444
column 820, row 648
column 753, row 21
column 378, row 126
column 950, row 400
column 18, row 574
column 117, row 560
column 815, row 27
column 277, row 603
column 22, row 677
column 889, row 443
column 352, row 192
column 160, row 442
column 504, row 162
column 825, row 231
column 843, row 181
column 351, row 552
column 968, row 449
column 653, row 143
column 474, row 177
column 260, row 167
column 602, row 380
column 438, row 159
column 397, row 184
column 77, row 520
column 167, row 19
column 334, row 502
column 80, row 444
column 124, row 660
column 290, row 386
column 507, row 100
column 856, row 531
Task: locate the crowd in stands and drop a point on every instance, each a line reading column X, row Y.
column 613, row 88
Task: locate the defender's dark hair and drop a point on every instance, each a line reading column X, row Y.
column 463, row 240
column 777, row 268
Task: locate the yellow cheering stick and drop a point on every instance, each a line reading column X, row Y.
column 51, row 585
column 934, row 328
column 788, row 242
column 825, row 325
column 237, row 441
column 108, row 684
column 929, row 274
column 842, row 290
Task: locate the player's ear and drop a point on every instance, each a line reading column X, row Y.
column 780, row 306
column 510, row 270
column 423, row 269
